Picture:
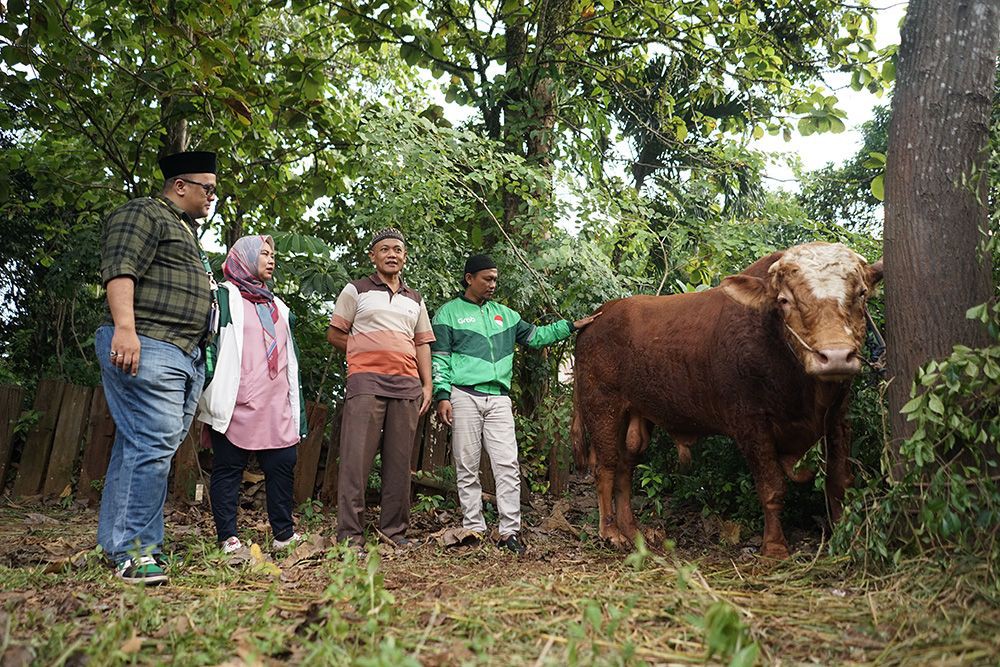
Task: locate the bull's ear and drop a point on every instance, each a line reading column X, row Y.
column 875, row 273
column 747, row 290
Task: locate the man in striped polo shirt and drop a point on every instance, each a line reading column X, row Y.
column 473, row 359
column 383, row 327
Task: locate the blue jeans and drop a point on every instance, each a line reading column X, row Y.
column 152, row 412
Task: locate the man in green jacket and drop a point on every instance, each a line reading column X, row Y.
column 473, row 357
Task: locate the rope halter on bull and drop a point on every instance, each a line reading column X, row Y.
column 877, row 361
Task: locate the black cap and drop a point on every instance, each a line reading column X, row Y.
column 387, row 233
column 195, row 162
column 475, row 264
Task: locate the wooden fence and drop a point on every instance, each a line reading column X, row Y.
column 68, row 434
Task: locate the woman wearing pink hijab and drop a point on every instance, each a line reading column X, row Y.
column 253, row 403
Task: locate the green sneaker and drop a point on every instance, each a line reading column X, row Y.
column 144, row 570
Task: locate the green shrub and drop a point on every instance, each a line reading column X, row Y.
column 947, row 498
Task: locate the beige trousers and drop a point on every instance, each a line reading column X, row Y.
column 478, row 422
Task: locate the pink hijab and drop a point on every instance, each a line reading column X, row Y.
column 240, row 269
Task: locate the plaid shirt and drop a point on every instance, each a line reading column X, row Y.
column 153, row 242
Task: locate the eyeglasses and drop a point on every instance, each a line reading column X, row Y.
column 207, row 187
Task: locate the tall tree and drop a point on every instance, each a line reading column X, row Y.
column 544, row 74
column 935, row 187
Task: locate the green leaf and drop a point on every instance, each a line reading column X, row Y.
column 681, row 131
column 878, row 187
column 889, row 71
column 747, row 657
column 410, row 53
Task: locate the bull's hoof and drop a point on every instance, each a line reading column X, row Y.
column 776, row 551
column 622, row 543
column 611, row 533
column 633, row 533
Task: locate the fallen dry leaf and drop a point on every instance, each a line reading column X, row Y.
column 245, row 650
column 729, row 532
column 179, row 626
column 261, row 563
column 316, row 545
column 557, row 522
column 241, row 556
column 252, row 477
column 64, row 563
column 711, row 525
column 17, row 655
column 132, row 645
column 453, row 537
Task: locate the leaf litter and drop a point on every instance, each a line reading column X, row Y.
column 461, row 600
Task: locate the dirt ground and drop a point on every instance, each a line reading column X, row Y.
column 568, row 600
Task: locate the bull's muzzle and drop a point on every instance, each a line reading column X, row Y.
column 834, row 363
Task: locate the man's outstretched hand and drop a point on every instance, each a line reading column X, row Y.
column 582, row 322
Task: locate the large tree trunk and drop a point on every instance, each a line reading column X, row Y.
column 176, row 138
column 937, row 141
column 513, row 115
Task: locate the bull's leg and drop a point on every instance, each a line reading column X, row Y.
column 636, row 442
column 623, row 500
column 769, row 479
column 605, row 477
column 606, row 428
column 683, row 444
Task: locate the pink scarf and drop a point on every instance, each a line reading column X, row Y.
column 241, row 270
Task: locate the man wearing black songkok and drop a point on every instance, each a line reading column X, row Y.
column 160, row 303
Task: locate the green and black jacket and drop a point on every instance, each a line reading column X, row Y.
column 475, row 345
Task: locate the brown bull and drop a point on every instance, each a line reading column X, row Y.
column 765, row 358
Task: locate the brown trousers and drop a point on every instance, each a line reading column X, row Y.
column 370, row 423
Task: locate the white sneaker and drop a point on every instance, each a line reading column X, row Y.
column 231, row 545
column 294, row 539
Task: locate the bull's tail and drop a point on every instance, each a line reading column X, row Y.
column 581, row 447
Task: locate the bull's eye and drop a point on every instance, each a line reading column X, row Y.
column 782, row 300
column 863, row 293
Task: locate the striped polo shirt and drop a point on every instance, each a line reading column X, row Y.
column 383, row 330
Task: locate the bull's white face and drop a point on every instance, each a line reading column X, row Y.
column 819, row 291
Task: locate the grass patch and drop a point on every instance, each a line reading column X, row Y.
column 566, row 603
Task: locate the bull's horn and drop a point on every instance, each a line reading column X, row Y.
column 876, row 271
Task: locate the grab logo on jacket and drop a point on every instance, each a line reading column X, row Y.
column 498, row 320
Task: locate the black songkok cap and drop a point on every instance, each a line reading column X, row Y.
column 475, row 264
column 195, row 162
column 387, row 233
